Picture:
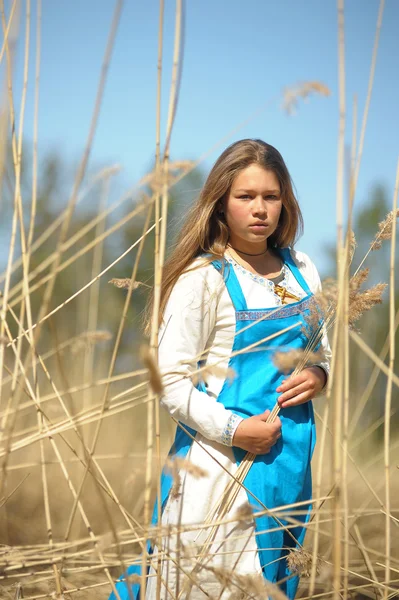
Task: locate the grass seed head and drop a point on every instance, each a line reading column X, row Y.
column 244, row 512
column 153, row 371
column 97, row 336
column 105, row 541
column 254, row 586
column 300, row 562
column 244, row 515
column 89, row 338
column 216, row 370
column 384, row 230
column 360, row 302
column 292, row 359
column 125, row 283
column 303, row 90
column 186, row 465
column 181, row 165
column 314, row 318
column 357, row 280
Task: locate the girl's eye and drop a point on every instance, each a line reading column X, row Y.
column 272, row 197
column 244, row 196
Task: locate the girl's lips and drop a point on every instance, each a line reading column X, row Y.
column 258, row 227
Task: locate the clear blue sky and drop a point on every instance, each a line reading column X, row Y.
column 237, row 56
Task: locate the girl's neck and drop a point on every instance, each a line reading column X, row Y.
column 268, row 264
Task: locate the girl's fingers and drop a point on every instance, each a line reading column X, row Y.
column 293, row 391
column 303, row 388
column 300, row 399
column 292, row 382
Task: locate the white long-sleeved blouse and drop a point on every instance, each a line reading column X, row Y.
column 199, row 324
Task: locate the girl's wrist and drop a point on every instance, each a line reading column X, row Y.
column 323, row 373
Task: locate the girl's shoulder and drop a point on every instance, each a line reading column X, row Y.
column 195, row 294
column 307, row 268
column 302, row 260
column 200, row 271
column 199, row 280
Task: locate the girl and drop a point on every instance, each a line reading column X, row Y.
column 234, row 292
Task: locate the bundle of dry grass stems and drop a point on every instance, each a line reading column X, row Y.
column 89, row 542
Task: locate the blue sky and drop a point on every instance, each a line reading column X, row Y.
column 237, row 56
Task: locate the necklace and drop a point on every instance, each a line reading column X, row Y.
column 247, row 253
column 286, row 297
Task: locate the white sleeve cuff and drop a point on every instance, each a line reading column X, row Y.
column 326, row 368
column 230, row 429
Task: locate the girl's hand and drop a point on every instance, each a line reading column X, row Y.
column 301, row 388
column 255, row 435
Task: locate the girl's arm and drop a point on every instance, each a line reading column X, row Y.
column 189, row 319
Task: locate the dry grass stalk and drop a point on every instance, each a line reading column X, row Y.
column 106, row 172
column 385, row 229
column 85, row 287
column 243, row 586
column 388, row 393
column 18, row 591
column 155, row 376
column 290, row 360
column 336, row 532
column 302, row 90
column 65, row 225
column 352, row 245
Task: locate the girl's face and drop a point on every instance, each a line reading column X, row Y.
column 252, row 208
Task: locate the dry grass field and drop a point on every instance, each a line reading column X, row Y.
column 82, row 434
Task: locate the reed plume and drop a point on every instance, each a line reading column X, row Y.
column 384, row 230
column 155, row 378
column 126, row 283
column 187, row 466
column 216, row 370
column 300, row 562
column 292, row 94
column 289, row 360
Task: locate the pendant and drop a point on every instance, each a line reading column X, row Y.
column 285, row 295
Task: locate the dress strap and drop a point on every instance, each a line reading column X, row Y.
column 232, row 283
column 286, row 255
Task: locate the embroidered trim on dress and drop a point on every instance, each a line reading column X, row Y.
column 230, row 429
column 268, row 283
column 285, row 311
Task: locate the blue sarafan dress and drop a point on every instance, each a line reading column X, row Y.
column 283, row 476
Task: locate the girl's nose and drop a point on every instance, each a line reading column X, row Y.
column 259, row 206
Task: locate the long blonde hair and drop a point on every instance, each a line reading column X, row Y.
column 205, row 229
